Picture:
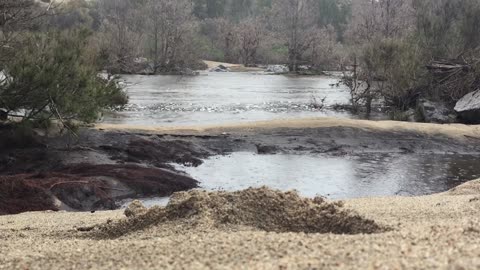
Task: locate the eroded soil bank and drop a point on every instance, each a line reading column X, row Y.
column 110, row 163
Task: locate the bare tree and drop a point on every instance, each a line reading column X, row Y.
column 121, row 33
column 16, row 16
column 373, row 19
column 295, row 21
column 377, row 30
column 326, row 51
column 249, row 33
column 170, row 24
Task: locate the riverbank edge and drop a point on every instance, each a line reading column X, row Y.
column 451, row 130
column 137, row 152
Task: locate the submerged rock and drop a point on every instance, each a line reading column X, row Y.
column 468, row 108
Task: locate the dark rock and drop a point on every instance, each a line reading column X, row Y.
column 266, row 149
column 220, row 68
column 3, row 115
column 434, row 112
column 468, row 108
column 87, row 187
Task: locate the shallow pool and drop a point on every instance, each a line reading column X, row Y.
column 338, row 177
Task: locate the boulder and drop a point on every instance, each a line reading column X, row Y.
column 278, row 69
column 434, row 112
column 220, row 68
column 468, row 108
column 411, row 115
column 304, row 68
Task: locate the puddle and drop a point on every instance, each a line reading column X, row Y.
column 372, row 175
column 338, row 177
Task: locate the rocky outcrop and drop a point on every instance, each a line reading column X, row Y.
column 434, row 112
column 87, row 187
column 278, row 69
column 97, row 172
column 468, row 108
column 220, row 68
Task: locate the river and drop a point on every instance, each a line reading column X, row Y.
column 219, row 98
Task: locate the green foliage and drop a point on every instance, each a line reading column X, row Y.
column 398, row 67
column 52, row 77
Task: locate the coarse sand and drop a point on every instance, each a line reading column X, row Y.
column 258, row 209
column 254, row 229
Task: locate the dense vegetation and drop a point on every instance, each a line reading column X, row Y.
column 386, row 44
column 48, row 73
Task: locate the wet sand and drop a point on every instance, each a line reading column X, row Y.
column 76, row 167
column 432, row 232
column 451, row 130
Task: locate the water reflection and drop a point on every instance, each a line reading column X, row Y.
column 338, row 178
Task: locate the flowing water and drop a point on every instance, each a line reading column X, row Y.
column 219, row 98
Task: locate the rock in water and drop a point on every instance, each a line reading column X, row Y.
column 468, row 108
column 220, row 68
column 135, row 209
column 278, row 69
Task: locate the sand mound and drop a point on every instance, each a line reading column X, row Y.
column 259, row 209
column 469, row 188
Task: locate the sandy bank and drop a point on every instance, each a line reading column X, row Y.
column 432, row 232
column 452, row 130
column 232, row 67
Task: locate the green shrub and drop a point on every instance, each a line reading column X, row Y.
column 53, row 77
